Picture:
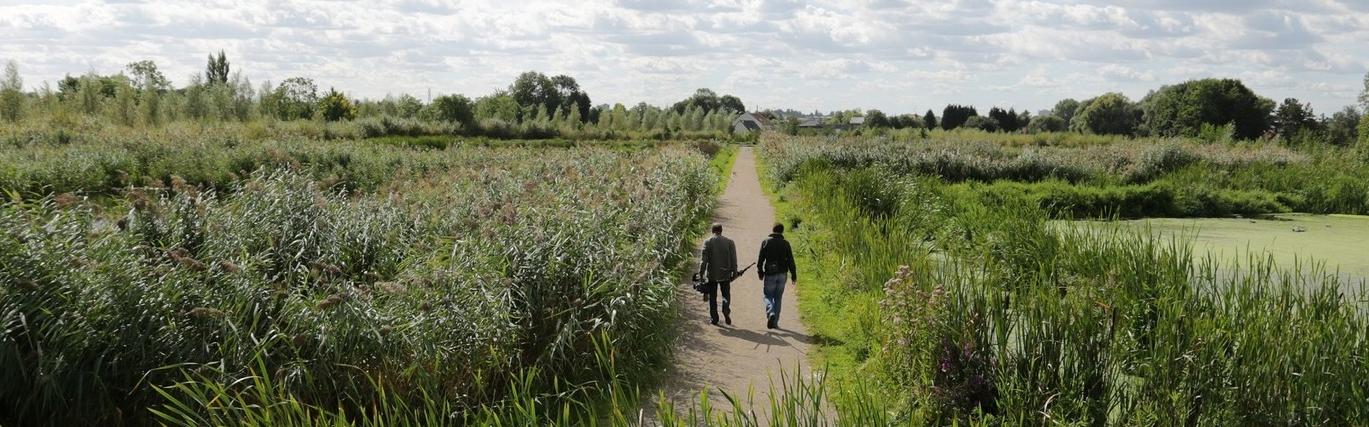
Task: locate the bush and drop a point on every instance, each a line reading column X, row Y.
column 1041, row 124
column 1110, row 114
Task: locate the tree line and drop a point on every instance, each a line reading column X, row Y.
column 1215, row 109
column 533, row 104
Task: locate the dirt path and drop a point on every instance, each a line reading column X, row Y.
column 744, row 355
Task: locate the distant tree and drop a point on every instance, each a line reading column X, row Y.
column 216, row 72
column 929, row 120
column 407, row 106
column 1364, row 134
column 1041, row 124
column 294, row 99
column 1007, row 121
column 533, row 89
column 1293, row 117
column 336, row 107
column 1065, row 109
column 1364, row 95
column 1024, row 118
column 987, row 124
column 1109, row 114
column 454, row 109
column 499, row 105
column 11, row 93
column 876, row 119
column 572, row 98
column 955, row 115
column 1341, row 128
column 732, row 103
column 1183, row 109
column 146, row 76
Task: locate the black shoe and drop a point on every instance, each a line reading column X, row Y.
column 727, row 318
column 713, row 322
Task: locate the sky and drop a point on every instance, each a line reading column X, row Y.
column 896, row 56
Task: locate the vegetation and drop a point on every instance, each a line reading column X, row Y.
column 334, row 271
column 999, row 317
column 1102, row 177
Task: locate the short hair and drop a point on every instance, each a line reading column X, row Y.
column 717, row 228
column 779, row 228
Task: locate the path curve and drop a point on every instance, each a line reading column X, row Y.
column 744, row 356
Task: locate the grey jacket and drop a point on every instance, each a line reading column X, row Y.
column 719, row 259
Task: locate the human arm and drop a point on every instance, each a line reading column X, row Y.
column 760, row 262
column 793, row 267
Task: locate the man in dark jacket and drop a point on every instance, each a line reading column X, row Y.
column 775, row 266
column 719, row 262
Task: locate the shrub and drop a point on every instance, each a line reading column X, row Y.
column 1041, row 124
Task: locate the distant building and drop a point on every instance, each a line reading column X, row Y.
column 810, row 122
column 750, row 122
column 857, row 121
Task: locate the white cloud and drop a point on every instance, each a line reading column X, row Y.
column 889, row 54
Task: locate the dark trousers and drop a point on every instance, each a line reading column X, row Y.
column 713, row 289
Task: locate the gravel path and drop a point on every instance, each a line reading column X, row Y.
column 744, row 356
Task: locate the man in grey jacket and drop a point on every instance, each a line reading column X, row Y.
column 719, row 262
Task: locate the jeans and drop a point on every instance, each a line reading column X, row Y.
column 713, row 289
column 773, row 289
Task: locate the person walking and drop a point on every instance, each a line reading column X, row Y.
column 717, row 266
column 775, row 266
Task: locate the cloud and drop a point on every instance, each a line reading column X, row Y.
column 895, row 55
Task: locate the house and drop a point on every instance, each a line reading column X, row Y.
column 750, row 122
column 812, row 122
column 857, row 121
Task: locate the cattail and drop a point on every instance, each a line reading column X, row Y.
column 385, row 330
column 206, row 313
column 300, row 340
column 66, row 200
column 332, row 300
column 425, row 306
column 228, row 266
column 392, row 287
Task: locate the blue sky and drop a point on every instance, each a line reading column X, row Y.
column 897, row 56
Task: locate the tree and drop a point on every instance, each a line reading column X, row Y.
column 1109, row 114
column 1293, row 117
column 295, row 98
column 987, row 124
column 532, row 89
column 1183, row 109
column 335, row 107
column 732, row 103
column 146, row 76
column 499, row 105
column 1341, row 127
column 1066, row 109
column 955, row 115
column 216, row 72
column 1007, row 120
column 1364, row 94
column 929, row 120
column 1040, row 124
column 11, row 93
column 876, row 119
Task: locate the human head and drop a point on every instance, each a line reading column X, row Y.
column 717, row 228
column 779, row 228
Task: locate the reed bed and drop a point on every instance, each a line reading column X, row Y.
column 1130, row 178
column 994, row 317
column 462, row 279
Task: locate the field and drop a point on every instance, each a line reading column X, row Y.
column 936, row 276
column 194, row 273
column 210, row 275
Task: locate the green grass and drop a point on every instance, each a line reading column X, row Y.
column 1002, row 318
column 497, row 274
